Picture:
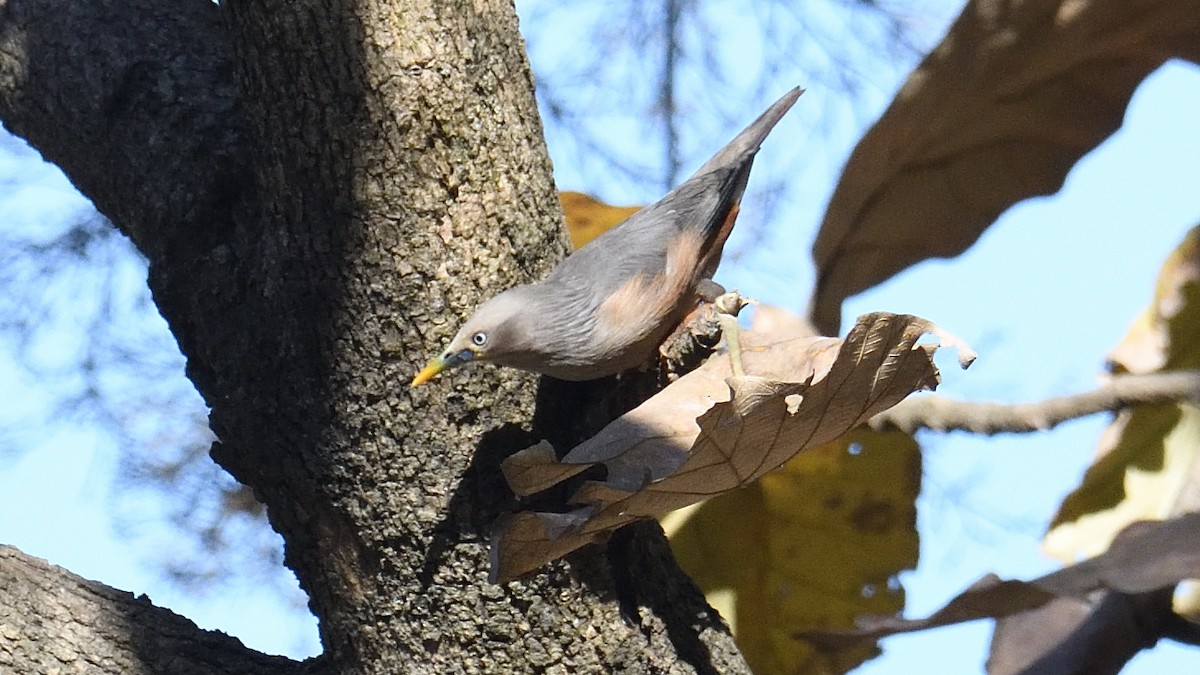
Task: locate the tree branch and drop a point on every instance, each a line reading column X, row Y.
column 53, row 620
column 135, row 101
column 1122, row 391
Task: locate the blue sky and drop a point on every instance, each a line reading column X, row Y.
column 1042, row 297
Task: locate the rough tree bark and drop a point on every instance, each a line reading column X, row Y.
column 321, row 189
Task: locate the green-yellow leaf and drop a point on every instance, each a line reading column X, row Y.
column 1146, row 476
column 811, row 546
column 1148, row 467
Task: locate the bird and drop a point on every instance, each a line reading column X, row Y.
column 606, row 307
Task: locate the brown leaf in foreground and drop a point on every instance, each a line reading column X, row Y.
column 1000, row 111
column 709, row 433
column 1097, row 636
column 1147, row 556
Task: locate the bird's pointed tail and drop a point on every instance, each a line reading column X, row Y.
column 748, row 142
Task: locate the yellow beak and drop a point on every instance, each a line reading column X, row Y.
column 444, row 362
column 429, row 372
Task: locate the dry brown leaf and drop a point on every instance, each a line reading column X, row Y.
column 1014, row 95
column 1068, row 635
column 709, row 433
column 1147, row 556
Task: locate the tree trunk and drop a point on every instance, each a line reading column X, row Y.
column 322, row 191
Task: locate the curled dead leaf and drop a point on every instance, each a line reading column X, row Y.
column 709, row 433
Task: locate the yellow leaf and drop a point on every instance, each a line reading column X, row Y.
column 1146, row 476
column 588, row 218
column 811, row 546
column 1148, row 464
column 1186, row 602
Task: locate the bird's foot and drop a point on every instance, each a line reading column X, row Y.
column 699, row 334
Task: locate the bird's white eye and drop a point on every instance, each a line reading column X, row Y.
column 479, row 339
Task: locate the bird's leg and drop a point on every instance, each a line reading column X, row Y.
column 708, row 290
column 728, row 306
column 700, row 332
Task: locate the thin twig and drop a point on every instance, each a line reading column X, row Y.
column 1122, row 391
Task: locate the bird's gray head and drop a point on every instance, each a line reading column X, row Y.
column 501, row 331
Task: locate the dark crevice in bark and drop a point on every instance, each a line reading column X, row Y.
column 646, row 576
